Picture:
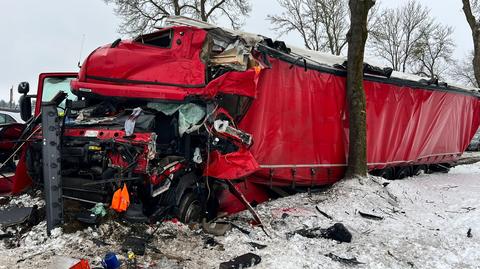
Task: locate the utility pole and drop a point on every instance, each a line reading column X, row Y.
column 10, row 104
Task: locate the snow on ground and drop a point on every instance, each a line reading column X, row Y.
column 425, row 223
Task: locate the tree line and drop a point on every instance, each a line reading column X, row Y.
column 406, row 38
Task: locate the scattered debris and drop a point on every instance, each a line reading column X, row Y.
column 257, row 245
column 243, row 261
column 82, row 264
column 6, row 235
column 337, row 232
column 167, row 255
column 17, row 215
column 346, row 261
column 210, row 242
column 242, row 230
column 63, row 262
column 292, row 211
column 369, row 216
column 135, row 244
column 135, row 214
column 449, row 187
column 469, row 208
column 99, row 242
column 87, row 217
column 400, row 260
column 245, row 202
column 323, row 213
column 216, row 228
column 463, row 210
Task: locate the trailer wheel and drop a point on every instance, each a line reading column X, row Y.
column 190, row 208
column 417, row 169
column 403, row 172
column 387, row 173
column 439, row 168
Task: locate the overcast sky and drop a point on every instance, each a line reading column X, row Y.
column 46, row 36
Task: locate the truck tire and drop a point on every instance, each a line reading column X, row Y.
column 402, row 172
column 190, row 208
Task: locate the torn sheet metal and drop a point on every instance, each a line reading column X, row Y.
column 235, row 56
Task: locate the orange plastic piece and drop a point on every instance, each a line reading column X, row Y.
column 82, row 264
column 121, row 199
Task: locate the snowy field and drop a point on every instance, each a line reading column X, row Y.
column 425, row 224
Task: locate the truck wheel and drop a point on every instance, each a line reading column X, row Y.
column 387, row 173
column 190, row 208
column 418, row 169
column 403, row 172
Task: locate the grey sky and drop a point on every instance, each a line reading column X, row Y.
column 45, row 36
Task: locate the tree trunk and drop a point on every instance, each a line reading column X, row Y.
column 357, row 36
column 475, row 27
column 203, row 11
column 476, row 52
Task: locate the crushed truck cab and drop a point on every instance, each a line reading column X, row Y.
column 159, row 114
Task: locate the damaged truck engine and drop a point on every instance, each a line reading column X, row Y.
column 193, row 121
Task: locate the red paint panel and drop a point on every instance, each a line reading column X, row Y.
column 297, row 119
column 130, row 60
column 232, row 165
column 300, row 125
column 131, row 91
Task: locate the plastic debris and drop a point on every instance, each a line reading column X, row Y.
column 82, row 264
column 130, row 122
column 99, row 210
column 189, row 115
column 337, row 232
column 111, row 261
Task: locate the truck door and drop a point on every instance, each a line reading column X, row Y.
column 17, row 178
column 49, row 84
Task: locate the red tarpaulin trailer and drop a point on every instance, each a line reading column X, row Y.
column 298, row 118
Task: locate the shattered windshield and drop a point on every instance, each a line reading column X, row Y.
column 52, row 85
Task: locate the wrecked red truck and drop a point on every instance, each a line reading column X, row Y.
column 187, row 115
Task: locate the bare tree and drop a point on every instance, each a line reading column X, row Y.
column 462, row 71
column 139, row 16
column 398, row 31
column 472, row 12
column 357, row 105
column 322, row 24
column 433, row 51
